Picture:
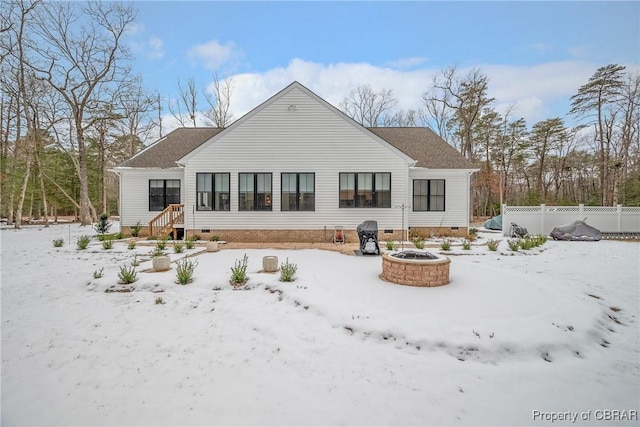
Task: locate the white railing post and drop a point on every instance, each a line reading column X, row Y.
column 542, row 211
column 619, row 215
column 581, row 212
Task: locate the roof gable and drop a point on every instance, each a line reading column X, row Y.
column 275, row 98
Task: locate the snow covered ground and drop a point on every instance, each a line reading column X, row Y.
column 541, row 337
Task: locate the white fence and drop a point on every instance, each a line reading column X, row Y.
column 542, row 219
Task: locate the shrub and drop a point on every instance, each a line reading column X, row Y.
column 391, row 246
column 419, row 243
column 527, row 243
column 189, row 243
column 287, row 271
column 196, row 237
column 132, row 245
column 178, row 248
column 135, row 261
column 445, row 245
column 473, row 231
column 184, row 270
column 514, row 244
column 58, row 243
column 135, row 230
column 103, row 225
column 493, row 244
column 83, row 242
column 466, row 245
column 127, row 275
column 215, row 238
column 118, row 235
column 162, row 243
column 98, row 273
column 239, row 272
column 159, row 300
column 107, row 244
column 156, row 252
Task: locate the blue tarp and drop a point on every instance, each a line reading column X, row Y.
column 494, row 223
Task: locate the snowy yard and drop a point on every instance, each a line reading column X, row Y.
column 514, row 339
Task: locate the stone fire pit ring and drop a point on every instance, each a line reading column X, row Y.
column 413, row 268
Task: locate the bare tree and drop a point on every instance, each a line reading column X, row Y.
column 219, row 102
column 80, row 49
column 546, row 136
column 185, row 107
column 457, row 103
column 368, row 107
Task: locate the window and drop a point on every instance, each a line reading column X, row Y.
column 428, row 195
column 254, row 192
column 365, row 190
column 298, row 192
column 163, row 192
column 212, row 192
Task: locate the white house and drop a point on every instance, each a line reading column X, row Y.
column 293, row 169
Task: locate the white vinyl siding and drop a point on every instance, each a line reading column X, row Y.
column 311, row 138
column 134, row 193
column 456, row 191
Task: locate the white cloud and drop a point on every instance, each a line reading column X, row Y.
column 534, row 90
column 541, row 47
column 214, row 54
column 155, row 45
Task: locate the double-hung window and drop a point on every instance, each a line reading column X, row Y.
column 428, row 194
column 298, row 192
column 254, row 192
column 365, row 190
column 163, row 192
column 212, row 192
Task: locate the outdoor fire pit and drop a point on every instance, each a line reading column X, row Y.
column 413, row 268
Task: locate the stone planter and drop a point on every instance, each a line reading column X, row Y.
column 212, row 247
column 161, row 263
column 270, row 264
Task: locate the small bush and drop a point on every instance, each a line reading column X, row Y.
column 473, row 231
column 215, row 238
column 159, row 300
column 527, row 243
column 493, row 244
column 98, row 273
column 107, row 244
column 239, row 272
column 178, row 248
column 135, row 261
column 103, row 225
column 184, row 270
column 514, row 244
column 287, row 271
column 196, row 237
column 466, row 245
column 419, row 243
column 83, row 242
column 445, row 245
column 190, row 243
column 135, row 230
column 127, row 275
column 391, row 246
column 58, row 243
column 156, row 252
column 132, row 245
column 118, row 235
column 162, row 243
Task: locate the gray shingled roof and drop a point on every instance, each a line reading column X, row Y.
column 165, row 152
column 421, row 144
column 424, row 146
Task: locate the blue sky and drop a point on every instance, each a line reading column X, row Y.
column 536, row 54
